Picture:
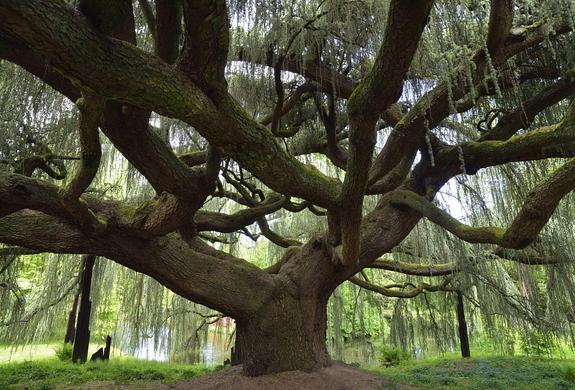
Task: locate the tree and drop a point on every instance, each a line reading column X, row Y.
column 89, row 54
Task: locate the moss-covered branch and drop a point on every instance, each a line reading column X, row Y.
column 432, row 269
column 205, row 52
column 119, row 71
column 433, row 107
column 500, row 22
column 545, row 142
column 414, row 269
column 19, row 192
column 522, row 116
column 532, row 217
column 381, row 87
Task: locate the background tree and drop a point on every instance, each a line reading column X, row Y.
column 389, row 92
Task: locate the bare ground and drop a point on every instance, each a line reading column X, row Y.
column 335, row 377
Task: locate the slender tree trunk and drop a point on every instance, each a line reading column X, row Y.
column 71, row 326
column 288, row 334
column 463, row 335
column 108, row 348
column 80, row 352
column 236, row 357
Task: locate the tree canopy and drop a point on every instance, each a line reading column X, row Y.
column 335, row 129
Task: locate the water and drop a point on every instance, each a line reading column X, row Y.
column 213, row 351
column 216, row 348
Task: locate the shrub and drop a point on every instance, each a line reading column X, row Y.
column 64, row 352
column 536, row 344
column 568, row 373
column 392, row 356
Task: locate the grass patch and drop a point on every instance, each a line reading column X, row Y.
column 54, row 374
column 485, row 373
column 21, row 353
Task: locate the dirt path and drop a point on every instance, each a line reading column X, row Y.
column 336, row 377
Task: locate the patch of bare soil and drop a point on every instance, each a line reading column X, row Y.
column 335, row 377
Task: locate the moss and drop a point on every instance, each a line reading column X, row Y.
column 126, row 210
column 535, row 25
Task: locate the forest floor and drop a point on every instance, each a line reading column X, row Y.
column 494, row 372
column 337, row 376
column 519, row 372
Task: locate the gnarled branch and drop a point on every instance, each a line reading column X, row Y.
column 381, row 87
column 534, row 214
column 396, row 291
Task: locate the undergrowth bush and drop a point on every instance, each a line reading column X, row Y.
column 64, row 352
column 392, row 356
column 568, row 373
column 535, row 343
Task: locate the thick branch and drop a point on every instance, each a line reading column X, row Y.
column 149, row 17
column 18, row 53
column 119, row 71
column 224, row 223
column 500, row 22
column 20, row 192
column 434, row 106
column 414, row 268
column 111, row 17
column 168, row 29
column 205, row 51
column 164, row 215
column 534, row 214
column 381, row 88
column 443, row 269
column 523, row 115
column 204, row 275
column 17, row 251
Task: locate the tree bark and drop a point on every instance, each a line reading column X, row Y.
column 288, row 331
column 288, row 334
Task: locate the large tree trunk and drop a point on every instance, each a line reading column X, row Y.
column 288, row 331
column 288, row 334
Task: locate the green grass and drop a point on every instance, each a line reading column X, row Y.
column 54, row 374
column 508, row 373
column 21, row 353
column 485, row 373
column 28, row 352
